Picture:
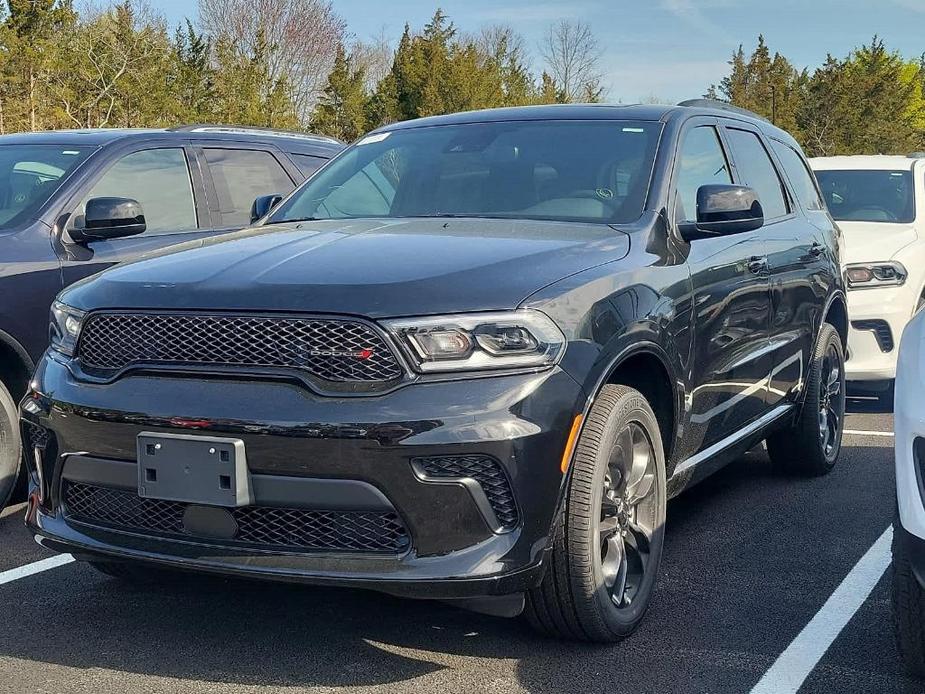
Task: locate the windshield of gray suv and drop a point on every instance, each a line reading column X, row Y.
column 29, row 174
column 869, row 196
column 591, row 171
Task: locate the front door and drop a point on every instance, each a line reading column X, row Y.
column 731, row 360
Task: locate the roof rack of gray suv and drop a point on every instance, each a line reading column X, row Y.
column 722, row 106
column 250, row 130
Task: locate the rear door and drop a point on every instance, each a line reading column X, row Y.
column 235, row 174
column 165, row 179
column 731, row 303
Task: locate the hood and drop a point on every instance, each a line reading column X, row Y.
column 866, row 242
column 377, row 268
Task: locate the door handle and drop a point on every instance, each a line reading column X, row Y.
column 816, row 250
column 757, row 265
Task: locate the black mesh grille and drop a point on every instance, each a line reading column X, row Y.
column 488, row 472
column 258, row 526
column 333, row 350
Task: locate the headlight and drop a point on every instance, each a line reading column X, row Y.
column 872, row 275
column 65, row 328
column 479, row 341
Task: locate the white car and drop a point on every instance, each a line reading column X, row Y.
column 879, row 204
column 909, row 526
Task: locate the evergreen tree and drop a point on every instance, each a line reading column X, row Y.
column 341, row 112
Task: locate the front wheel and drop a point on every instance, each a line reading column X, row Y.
column 10, row 446
column 812, row 445
column 608, row 541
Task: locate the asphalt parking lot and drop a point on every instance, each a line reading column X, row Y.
column 752, row 557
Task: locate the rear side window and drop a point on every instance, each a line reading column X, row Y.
column 307, row 163
column 758, row 172
column 798, row 173
column 242, row 175
column 157, row 178
column 701, row 162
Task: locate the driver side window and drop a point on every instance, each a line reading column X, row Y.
column 701, row 161
column 159, row 179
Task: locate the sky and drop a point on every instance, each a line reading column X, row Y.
column 665, row 49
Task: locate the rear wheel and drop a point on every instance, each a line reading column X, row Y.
column 812, row 445
column 608, row 542
column 10, row 446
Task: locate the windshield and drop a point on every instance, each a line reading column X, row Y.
column 29, row 174
column 595, row 171
column 868, row 196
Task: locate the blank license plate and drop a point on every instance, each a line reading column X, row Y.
column 195, row 469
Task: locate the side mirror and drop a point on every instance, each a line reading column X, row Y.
column 110, row 218
column 723, row 210
column 263, row 205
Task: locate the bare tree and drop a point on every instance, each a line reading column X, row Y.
column 374, row 57
column 572, row 54
column 301, row 37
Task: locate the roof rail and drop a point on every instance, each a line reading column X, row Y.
column 251, row 130
column 916, row 155
column 721, row 106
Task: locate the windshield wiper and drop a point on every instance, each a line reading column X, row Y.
column 297, row 219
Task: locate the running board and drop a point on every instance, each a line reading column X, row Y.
column 709, row 453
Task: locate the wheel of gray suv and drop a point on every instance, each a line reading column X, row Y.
column 908, row 603
column 10, row 446
column 812, row 445
column 608, row 541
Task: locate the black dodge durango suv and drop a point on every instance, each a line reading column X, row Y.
column 471, row 359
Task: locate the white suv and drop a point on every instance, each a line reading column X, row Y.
column 879, row 204
column 909, row 526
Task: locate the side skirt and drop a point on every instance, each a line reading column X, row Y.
column 703, row 464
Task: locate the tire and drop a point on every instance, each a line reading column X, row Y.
column 590, row 591
column 10, row 446
column 908, row 606
column 810, row 447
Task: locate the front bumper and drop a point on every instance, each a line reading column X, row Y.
column 872, row 357
column 456, row 548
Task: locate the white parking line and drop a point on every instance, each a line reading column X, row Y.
column 858, row 432
column 35, row 568
column 790, row 670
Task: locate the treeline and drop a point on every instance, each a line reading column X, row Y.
column 271, row 63
column 871, row 102
column 293, row 64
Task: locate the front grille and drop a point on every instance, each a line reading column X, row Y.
column 259, row 527
column 881, row 330
column 488, row 472
column 339, row 351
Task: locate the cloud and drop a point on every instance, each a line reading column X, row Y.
column 693, row 15
column 535, row 12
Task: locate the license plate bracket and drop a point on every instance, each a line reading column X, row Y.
column 208, row 470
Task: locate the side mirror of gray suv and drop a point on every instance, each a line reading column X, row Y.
column 110, row 218
column 262, row 206
column 723, row 210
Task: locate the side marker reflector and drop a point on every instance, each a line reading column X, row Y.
column 570, row 444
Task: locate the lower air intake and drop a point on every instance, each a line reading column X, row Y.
column 258, row 527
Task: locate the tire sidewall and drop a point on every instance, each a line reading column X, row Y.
column 830, row 339
column 10, row 446
column 630, row 408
